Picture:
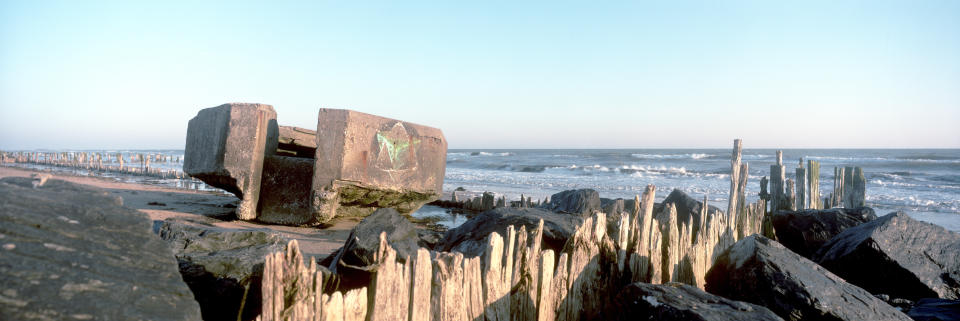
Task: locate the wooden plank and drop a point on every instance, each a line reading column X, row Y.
column 390, row 284
column 473, row 288
column 493, row 286
column 813, row 181
column 420, row 287
column 355, row 305
column 446, row 297
column 734, row 179
column 546, row 311
column 333, row 307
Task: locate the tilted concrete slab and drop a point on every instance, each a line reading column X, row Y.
column 226, row 146
column 297, row 142
column 365, row 162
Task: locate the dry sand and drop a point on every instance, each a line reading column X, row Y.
column 202, row 208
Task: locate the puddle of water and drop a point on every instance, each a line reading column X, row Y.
column 439, row 215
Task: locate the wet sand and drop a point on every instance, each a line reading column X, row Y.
column 202, row 208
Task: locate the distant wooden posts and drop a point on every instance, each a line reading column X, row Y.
column 813, row 185
column 778, row 201
column 854, row 191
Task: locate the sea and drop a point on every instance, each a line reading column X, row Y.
column 925, row 183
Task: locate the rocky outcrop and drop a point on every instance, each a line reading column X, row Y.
column 898, row 256
column 804, row 232
column 354, row 262
column 580, row 202
column 470, row 238
column 73, row 252
column 761, row 271
column 676, row 301
column 935, row 310
column 222, row 266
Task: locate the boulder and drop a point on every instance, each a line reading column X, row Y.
column 355, row 260
column 580, row 202
column 761, row 271
column 221, row 266
column 73, row 252
column 898, row 256
column 804, row 232
column 930, row 309
column 677, row 301
column 226, row 146
column 612, row 206
column 364, row 162
column 470, row 238
column 688, row 209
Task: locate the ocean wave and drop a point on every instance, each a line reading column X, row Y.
column 491, row 154
column 673, row 156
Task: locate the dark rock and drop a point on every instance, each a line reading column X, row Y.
column 676, row 301
column 761, row 271
column 804, row 232
column 470, row 238
column 897, row 255
column 220, row 265
column 612, row 206
column 157, row 204
column 580, row 202
column 354, row 261
column 73, row 252
column 935, row 310
column 688, row 209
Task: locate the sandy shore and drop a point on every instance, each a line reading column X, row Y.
column 202, row 208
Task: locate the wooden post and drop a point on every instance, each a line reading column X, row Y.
column 734, row 179
column 777, row 181
column 802, row 202
column 854, row 191
column 813, row 182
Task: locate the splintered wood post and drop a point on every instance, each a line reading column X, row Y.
column 671, row 246
column 791, row 194
column 836, row 197
column 642, row 247
column 447, row 300
column 734, row 179
column 493, row 285
column 803, row 187
column 656, row 254
column 813, row 182
column 390, row 284
column 332, row 307
column 473, row 288
column 546, row 311
column 355, row 305
column 741, row 192
column 854, row 190
column 777, row 180
column 420, row 288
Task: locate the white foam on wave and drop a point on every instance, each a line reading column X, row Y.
column 672, row 156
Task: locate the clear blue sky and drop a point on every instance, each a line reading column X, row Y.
column 130, row 74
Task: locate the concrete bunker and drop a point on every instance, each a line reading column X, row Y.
column 353, row 164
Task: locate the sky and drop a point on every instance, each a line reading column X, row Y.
column 490, row 74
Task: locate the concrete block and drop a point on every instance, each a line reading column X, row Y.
column 226, row 146
column 364, row 162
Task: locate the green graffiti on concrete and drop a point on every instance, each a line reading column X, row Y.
column 396, row 148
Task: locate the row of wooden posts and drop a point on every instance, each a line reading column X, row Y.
column 134, row 164
column 514, row 278
column 803, row 190
column 488, row 201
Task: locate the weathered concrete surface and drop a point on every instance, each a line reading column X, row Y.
column 69, row 252
column 297, row 142
column 285, row 191
column 226, row 146
column 898, row 256
column 365, row 162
